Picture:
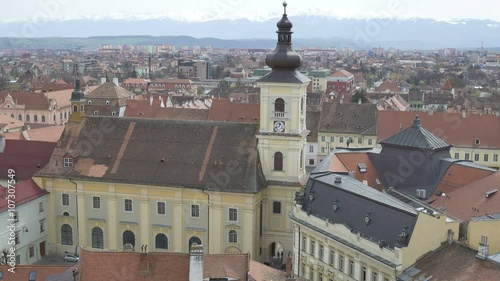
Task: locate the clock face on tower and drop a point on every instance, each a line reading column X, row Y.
column 279, row 126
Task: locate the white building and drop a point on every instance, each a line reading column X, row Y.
column 29, row 219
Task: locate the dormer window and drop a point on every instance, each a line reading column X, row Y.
column 68, row 162
column 89, row 102
column 477, row 141
column 362, row 167
column 96, row 112
column 113, row 113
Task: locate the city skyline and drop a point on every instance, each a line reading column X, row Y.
column 199, row 11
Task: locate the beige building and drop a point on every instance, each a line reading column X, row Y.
column 123, row 183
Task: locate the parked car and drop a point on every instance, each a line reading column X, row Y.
column 71, row 257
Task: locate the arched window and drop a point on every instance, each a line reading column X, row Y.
column 233, row 236
column 35, row 118
column 60, row 115
column 66, row 235
column 65, row 115
column 54, row 118
column 97, row 238
column 66, row 214
column 279, row 105
column 161, row 241
column 89, row 102
column 43, row 118
column 75, row 108
column 81, row 108
column 20, row 117
column 107, row 102
column 278, row 161
column 129, row 237
column 192, row 240
column 28, row 118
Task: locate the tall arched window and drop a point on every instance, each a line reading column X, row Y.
column 279, row 105
column 20, row 117
column 278, row 161
column 81, row 108
column 161, row 241
column 43, row 118
column 97, row 238
column 28, row 118
column 75, row 108
column 129, row 238
column 35, row 118
column 233, row 236
column 65, row 115
column 66, row 235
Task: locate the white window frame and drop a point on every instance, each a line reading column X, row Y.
column 164, row 208
column 98, row 200
column 125, row 205
column 235, row 236
column 68, row 162
column 42, row 225
column 229, row 214
column 196, row 210
column 62, row 199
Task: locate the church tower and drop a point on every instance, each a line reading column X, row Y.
column 281, row 142
column 77, row 103
column 282, row 136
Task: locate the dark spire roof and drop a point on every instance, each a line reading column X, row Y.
column 284, row 57
column 77, row 94
column 284, row 60
column 416, row 137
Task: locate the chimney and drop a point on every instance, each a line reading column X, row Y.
column 103, row 80
column 196, row 262
column 115, row 81
column 450, row 236
column 338, row 179
column 484, row 249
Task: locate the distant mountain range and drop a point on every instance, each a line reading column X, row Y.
column 320, row 31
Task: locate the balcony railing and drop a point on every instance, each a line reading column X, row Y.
column 279, row 114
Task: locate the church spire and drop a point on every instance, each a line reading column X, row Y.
column 284, row 57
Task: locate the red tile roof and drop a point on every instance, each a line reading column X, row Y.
column 225, row 110
column 25, row 192
column 388, row 86
column 22, row 272
column 261, row 272
column 458, row 176
column 447, row 85
column 451, row 127
column 146, row 109
column 29, row 99
column 471, row 201
column 351, row 161
column 342, row 73
column 98, row 265
column 25, row 157
column 455, row 262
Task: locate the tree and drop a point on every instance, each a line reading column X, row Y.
column 359, row 94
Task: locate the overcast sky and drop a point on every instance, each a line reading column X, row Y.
column 200, row 10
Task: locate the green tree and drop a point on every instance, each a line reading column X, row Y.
column 359, row 94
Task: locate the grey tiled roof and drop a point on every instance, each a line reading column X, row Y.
column 356, row 201
column 284, row 76
column 206, row 155
column 416, row 137
column 348, row 118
